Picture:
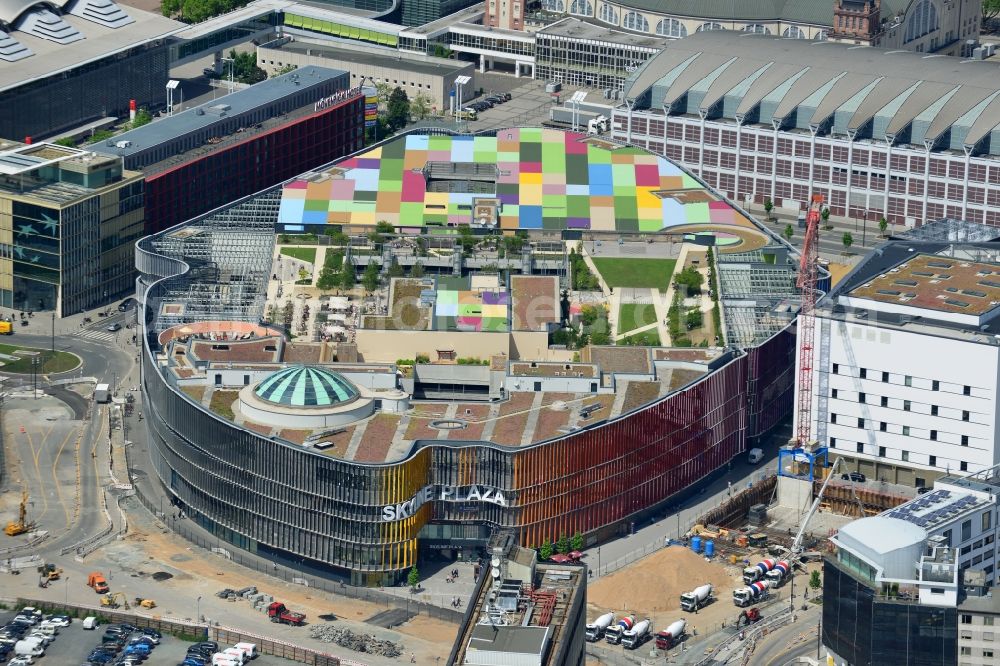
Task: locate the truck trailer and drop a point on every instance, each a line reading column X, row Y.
column 779, row 573
column 696, row 598
column 636, row 636
column 757, row 571
column 746, row 596
column 669, row 636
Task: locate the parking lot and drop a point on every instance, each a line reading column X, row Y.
column 73, row 644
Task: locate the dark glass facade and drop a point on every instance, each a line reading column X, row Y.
column 94, row 90
column 197, row 186
column 864, row 631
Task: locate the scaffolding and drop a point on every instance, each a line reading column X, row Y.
column 756, row 290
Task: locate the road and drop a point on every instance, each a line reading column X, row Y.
column 792, row 640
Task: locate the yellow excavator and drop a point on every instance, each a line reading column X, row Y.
column 145, row 603
column 50, row 571
column 115, row 600
column 21, row 525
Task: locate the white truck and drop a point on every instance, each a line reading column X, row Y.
column 636, row 636
column 29, row 648
column 747, row 596
column 598, row 125
column 102, row 393
column 614, row 633
column 696, row 598
column 779, row 573
column 667, row 638
column 757, row 572
column 249, row 650
column 596, row 629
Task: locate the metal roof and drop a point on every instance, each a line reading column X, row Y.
column 813, row 12
column 839, row 88
column 884, row 533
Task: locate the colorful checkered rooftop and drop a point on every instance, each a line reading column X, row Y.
column 472, row 310
column 548, row 179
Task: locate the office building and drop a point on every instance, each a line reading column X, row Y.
column 71, row 218
column 878, row 133
column 242, row 143
column 905, row 381
column 66, row 64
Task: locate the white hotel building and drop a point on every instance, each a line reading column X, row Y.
column 907, row 135
column 907, row 358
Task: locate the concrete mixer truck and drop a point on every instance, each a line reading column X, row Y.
column 669, row 636
column 757, row 572
column 614, row 633
column 696, row 598
column 636, row 636
column 746, row 596
column 779, row 574
column 595, row 629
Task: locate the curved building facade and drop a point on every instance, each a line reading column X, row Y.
column 368, row 520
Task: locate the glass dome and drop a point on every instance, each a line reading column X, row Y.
column 304, row 386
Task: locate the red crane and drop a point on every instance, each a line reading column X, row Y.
column 807, row 320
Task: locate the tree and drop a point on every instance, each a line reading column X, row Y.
column 883, row 223
column 694, row 319
column 244, row 67
column 66, row 141
column 348, row 276
column 413, row 578
column 768, row 207
column 370, row 278
column 691, row 279
column 417, row 271
column 142, row 117
column 825, row 214
column 420, row 106
column 814, row 580
column 284, row 70
column 397, row 112
column 991, row 9
column 383, row 89
column 847, row 240
column 562, row 546
column 576, row 543
column 327, row 280
column 545, row 552
column 395, row 270
column 788, row 233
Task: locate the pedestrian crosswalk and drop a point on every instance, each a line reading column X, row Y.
column 95, row 334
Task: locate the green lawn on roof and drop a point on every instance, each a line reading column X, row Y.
column 650, row 338
column 629, row 272
column 303, row 253
column 635, row 315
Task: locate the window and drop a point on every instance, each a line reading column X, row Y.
column 833, row 393
column 966, row 550
column 833, row 442
column 933, row 435
column 966, row 390
column 906, row 430
column 908, row 380
column 932, row 461
column 582, row 7
column 756, row 28
column 861, row 447
column 906, row 456
column 704, row 27
column 671, row 28
column 881, row 452
column 966, row 651
column 793, row 32
column 988, row 653
column 861, row 423
column 923, row 20
column 988, row 621
column 833, row 418
column 863, row 373
column 836, row 366
column 965, row 415
column 947, row 540
column 885, row 401
column 636, row 21
column 906, row 405
column 934, row 410
column 987, row 519
column 965, row 440
column 862, row 397
column 966, row 619
column 885, row 376
column 963, row 466
column 919, row 482
column 883, row 426
column 966, row 530
column 608, row 14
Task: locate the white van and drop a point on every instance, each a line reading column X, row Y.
column 756, row 455
column 249, row 650
column 47, row 628
column 223, row 659
column 90, row 623
column 237, row 654
column 28, row 649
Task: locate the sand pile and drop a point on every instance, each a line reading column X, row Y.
column 656, row 582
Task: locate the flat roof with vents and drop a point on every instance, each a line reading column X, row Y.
column 933, row 282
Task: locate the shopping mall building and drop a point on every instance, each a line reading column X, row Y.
column 312, row 461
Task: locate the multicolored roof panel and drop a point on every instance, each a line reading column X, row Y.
column 544, row 179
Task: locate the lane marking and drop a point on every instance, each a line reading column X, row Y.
column 55, row 463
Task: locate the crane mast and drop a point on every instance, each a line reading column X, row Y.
column 806, row 282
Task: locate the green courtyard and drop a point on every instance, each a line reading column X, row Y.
column 630, row 272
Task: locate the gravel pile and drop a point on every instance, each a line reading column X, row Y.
column 358, row 642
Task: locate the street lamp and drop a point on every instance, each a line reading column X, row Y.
column 460, row 81
column 198, row 614
column 574, row 101
column 67, row 591
column 231, row 62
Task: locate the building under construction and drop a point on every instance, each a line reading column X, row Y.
column 524, row 612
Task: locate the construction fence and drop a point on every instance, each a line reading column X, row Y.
column 191, row 631
column 734, row 512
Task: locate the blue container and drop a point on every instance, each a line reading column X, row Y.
column 709, row 548
column 696, row 544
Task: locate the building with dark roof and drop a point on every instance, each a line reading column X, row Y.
column 878, row 133
column 265, row 133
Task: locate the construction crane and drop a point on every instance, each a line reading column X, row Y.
column 21, row 525
column 796, row 548
column 807, row 281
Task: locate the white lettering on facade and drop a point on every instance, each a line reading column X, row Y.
column 336, row 98
column 403, row 510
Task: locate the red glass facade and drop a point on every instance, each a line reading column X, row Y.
column 206, row 182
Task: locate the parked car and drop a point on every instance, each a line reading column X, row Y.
column 115, row 327
column 853, row 476
column 61, row 620
column 149, row 631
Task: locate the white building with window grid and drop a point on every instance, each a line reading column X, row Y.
column 891, row 133
column 907, row 358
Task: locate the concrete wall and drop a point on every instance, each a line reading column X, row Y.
column 377, row 346
column 533, row 346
